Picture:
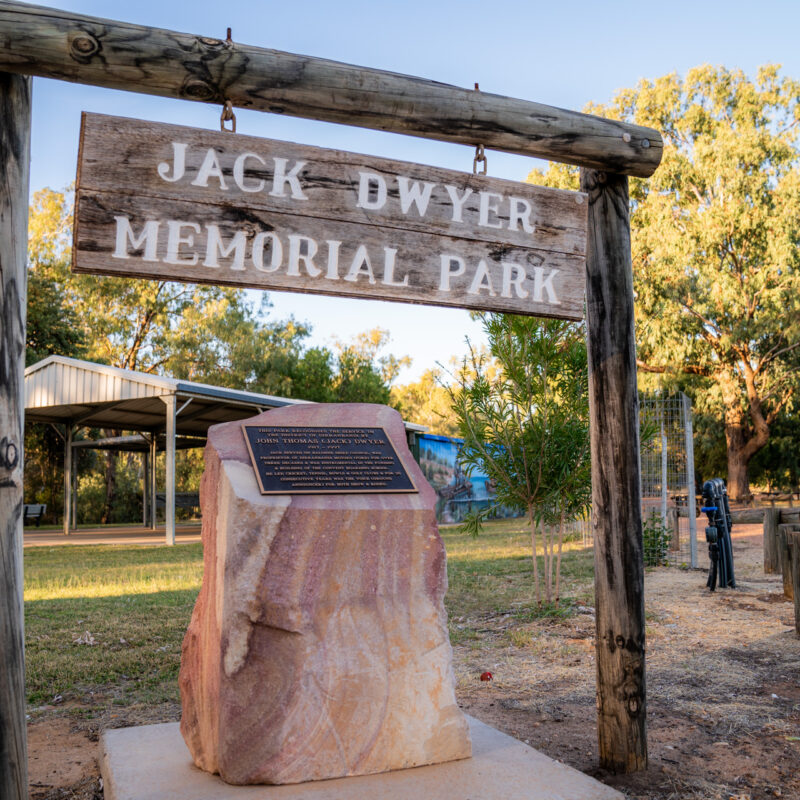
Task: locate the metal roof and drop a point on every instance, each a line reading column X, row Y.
column 66, row 390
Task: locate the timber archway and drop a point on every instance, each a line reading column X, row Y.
column 50, row 43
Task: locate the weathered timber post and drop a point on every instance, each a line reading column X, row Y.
column 616, row 482
column 15, row 126
column 771, row 520
column 784, row 559
column 793, row 538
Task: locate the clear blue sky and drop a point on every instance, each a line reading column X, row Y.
column 563, row 54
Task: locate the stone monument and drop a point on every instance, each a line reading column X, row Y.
column 318, row 647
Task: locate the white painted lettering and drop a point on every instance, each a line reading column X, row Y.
column 519, row 212
column 542, row 284
column 238, row 173
column 296, row 255
column 360, row 266
column 448, row 272
column 175, row 239
column 333, row 259
column 282, row 177
column 458, row 202
column 414, row 194
column 258, row 251
column 178, row 165
column 482, row 280
column 369, row 181
column 388, row 269
column 513, row 276
column 210, row 168
column 148, row 239
column 215, row 247
column 487, row 207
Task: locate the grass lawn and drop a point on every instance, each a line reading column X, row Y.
column 104, row 625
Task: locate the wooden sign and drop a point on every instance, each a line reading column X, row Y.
column 169, row 202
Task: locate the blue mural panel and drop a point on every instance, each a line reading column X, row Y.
column 458, row 492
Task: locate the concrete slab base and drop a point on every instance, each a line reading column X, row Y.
column 151, row 762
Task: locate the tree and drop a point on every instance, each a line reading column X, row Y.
column 53, row 327
column 363, row 375
column 427, row 402
column 525, row 424
column 715, row 236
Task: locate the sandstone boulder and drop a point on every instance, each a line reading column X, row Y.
column 318, row 646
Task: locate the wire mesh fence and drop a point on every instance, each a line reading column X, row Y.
column 669, row 507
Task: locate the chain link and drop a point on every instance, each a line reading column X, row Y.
column 227, row 116
column 480, row 158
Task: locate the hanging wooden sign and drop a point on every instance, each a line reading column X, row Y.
column 169, row 202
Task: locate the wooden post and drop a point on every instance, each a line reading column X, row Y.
column 784, row 560
column 771, row 561
column 794, row 549
column 616, row 482
column 674, row 525
column 15, row 121
column 52, row 43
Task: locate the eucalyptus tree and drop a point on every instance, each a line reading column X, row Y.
column 715, row 234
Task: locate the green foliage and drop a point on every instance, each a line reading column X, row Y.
column 525, row 424
column 655, row 540
column 714, row 239
column 427, row 402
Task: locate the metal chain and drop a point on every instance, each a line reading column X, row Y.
column 480, row 157
column 227, row 116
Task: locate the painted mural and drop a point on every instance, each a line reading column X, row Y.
column 458, row 492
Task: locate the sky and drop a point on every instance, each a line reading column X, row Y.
column 558, row 53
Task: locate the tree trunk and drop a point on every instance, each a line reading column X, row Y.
column 738, row 459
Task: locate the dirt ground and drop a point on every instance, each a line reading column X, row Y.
column 723, row 692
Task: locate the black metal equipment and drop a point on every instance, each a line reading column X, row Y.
column 718, row 534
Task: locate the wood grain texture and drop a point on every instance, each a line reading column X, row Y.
column 123, row 155
column 533, row 261
column 785, row 558
column 616, row 487
column 55, row 44
column 15, row 117
column 794, row 556
column 771, row 561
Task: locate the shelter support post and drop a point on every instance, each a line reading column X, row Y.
column 67, row 478
column 74, row 515
column 145, row 485
column 616, row 481
column 15, row 126
column 153, row 482
column 169, row 454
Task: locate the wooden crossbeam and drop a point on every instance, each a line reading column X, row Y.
column 51, row 43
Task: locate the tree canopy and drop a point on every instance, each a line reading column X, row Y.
column 715, row 235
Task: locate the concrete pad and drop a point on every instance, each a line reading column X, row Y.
column 152, row 762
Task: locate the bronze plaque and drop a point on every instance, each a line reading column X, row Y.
column 325, row 460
